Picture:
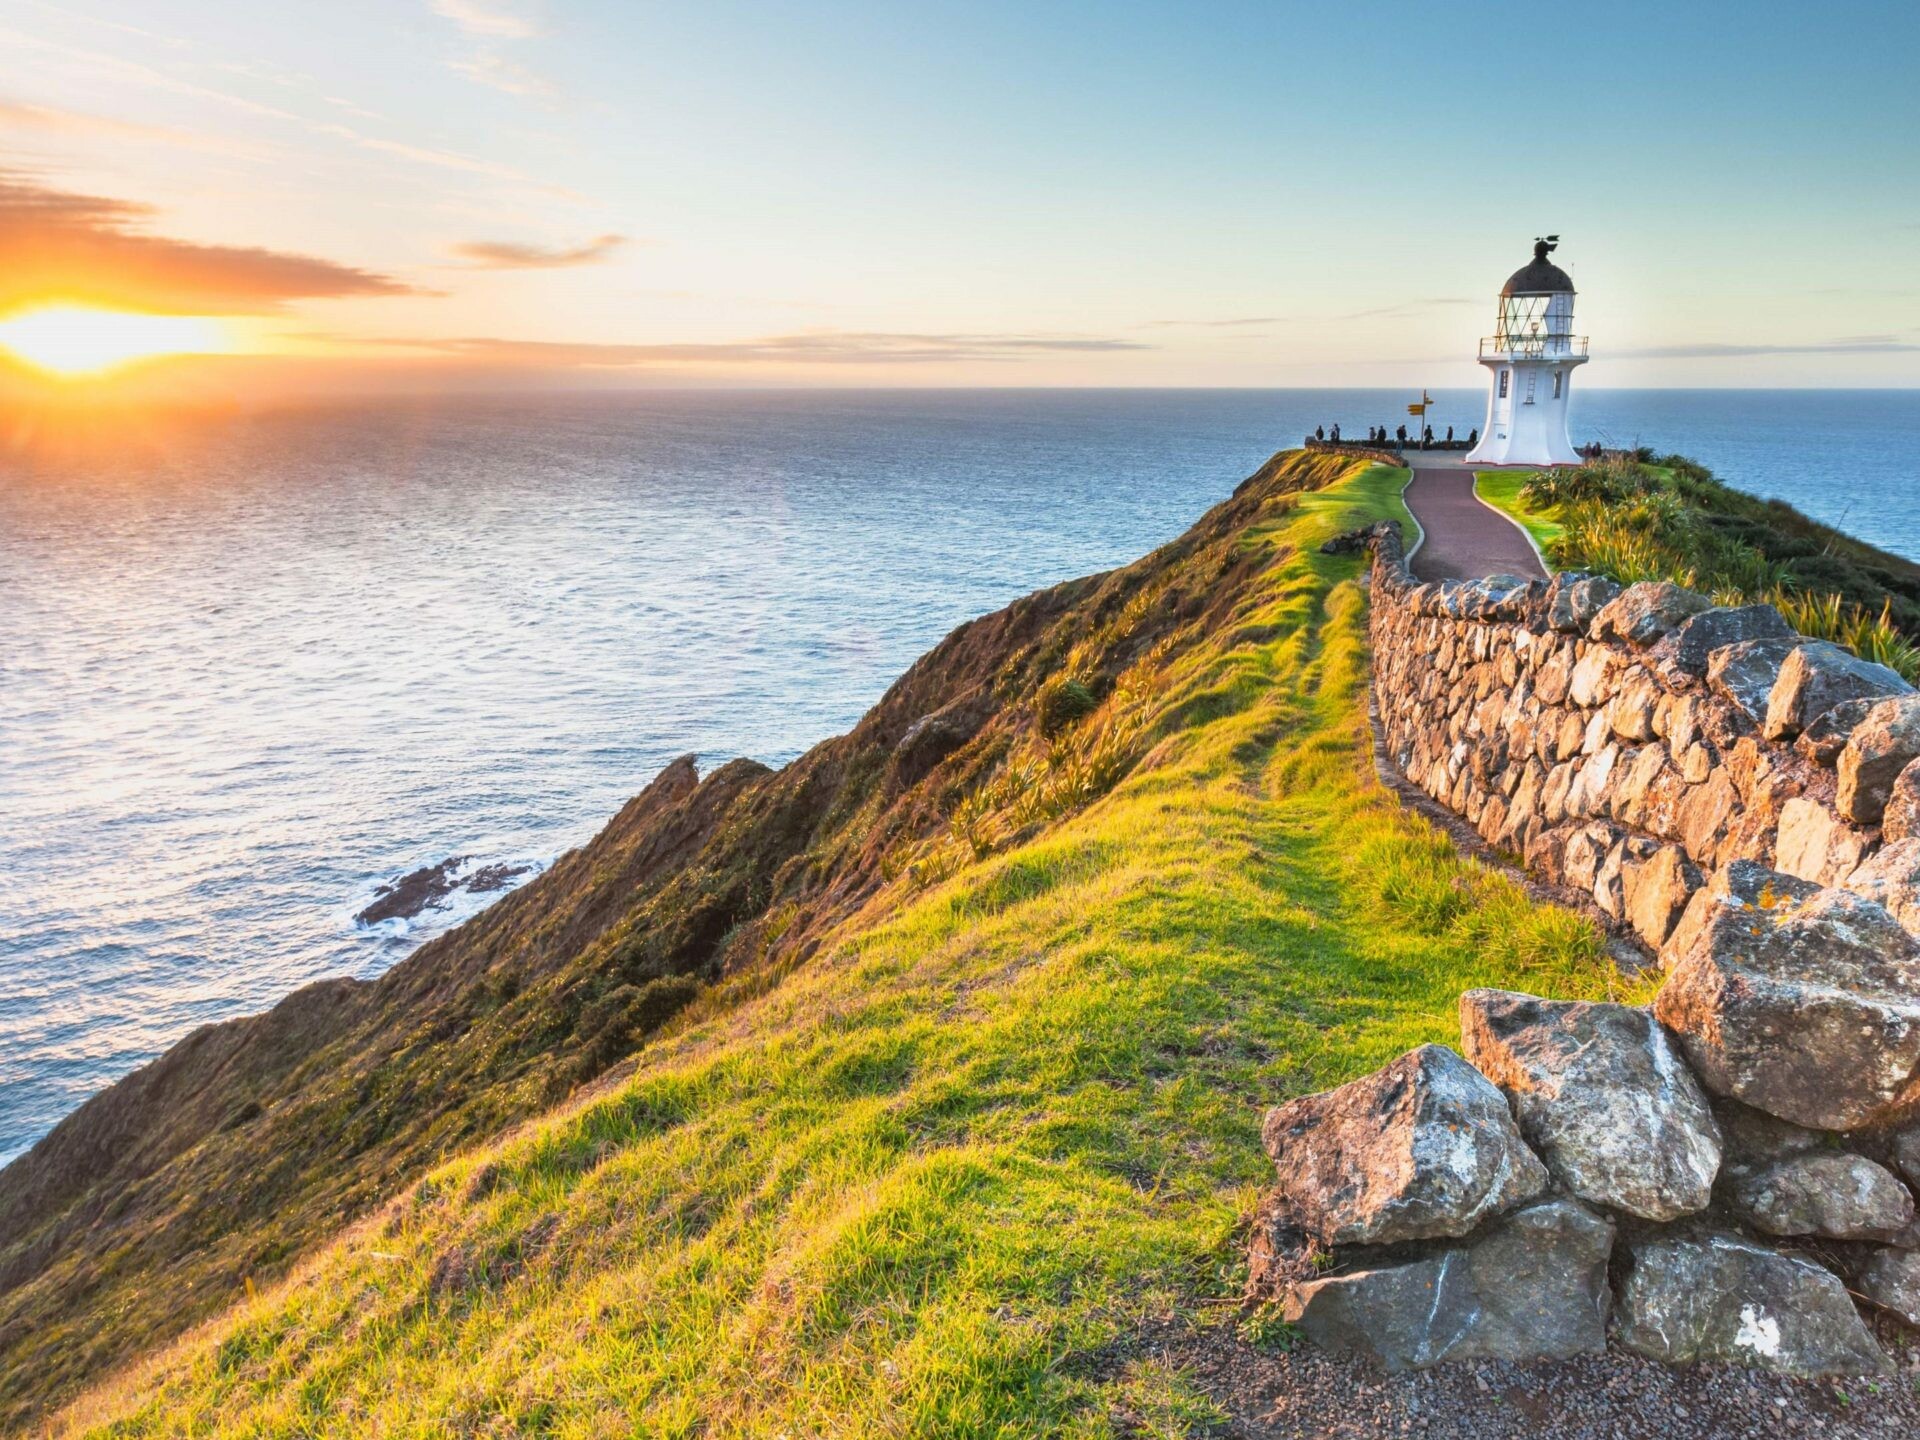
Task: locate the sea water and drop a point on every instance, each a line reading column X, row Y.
column 252, row 667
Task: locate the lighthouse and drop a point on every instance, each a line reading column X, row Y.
column 1530, row 358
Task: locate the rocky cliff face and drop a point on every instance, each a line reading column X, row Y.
column 250, row 1141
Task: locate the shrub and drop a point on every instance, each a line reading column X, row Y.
column 1063, row 702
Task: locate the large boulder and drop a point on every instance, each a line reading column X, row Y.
column 1890, row 877
column 1881, row 746
column 1891, row 1280
column 1745, row 673
column 1601, row 1096
column 1828, row 1193
column 1423, row 1148
column 1642, row 613
column 1817, row 676
column 1722, row 1298
column 1574, row 599
column 1812, row 1015
column 1686, row 648
column 1533, row 1287
column 1901, row 817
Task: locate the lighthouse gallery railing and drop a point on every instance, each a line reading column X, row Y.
column 1532, row 347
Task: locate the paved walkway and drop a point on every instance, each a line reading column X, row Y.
column 1464, row 538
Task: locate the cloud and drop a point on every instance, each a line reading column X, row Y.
column 494, row 21
column 505, row 255
column 500, row 73
column 1405, row 307
column 1852, row 345
column 1214, row 324
column 830, row 347
column 58, row 245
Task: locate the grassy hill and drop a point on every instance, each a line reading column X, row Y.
column 958, row 1085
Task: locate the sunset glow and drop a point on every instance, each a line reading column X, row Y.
column 73, row 340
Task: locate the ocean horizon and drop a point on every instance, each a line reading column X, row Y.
column 263, row 663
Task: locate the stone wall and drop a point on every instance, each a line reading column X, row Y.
column 1631, row 743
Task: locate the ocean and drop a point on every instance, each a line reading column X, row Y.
column 253, row 667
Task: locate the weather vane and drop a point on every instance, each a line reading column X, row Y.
column 1545, row 247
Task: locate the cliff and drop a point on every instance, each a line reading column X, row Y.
column 212, row 1170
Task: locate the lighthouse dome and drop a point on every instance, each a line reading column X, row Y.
column 1540, row 276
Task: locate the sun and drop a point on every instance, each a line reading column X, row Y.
column 72, row 340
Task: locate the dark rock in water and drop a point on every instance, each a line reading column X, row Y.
column 489, row 878
column 428, row 888
column 1723, row 1298
column 1422, row 1148
column 1533, row 1287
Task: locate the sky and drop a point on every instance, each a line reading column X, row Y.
column 368, row 194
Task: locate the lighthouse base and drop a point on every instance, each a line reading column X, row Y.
column 1526, row 414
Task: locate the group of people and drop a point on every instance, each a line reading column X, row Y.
column 1377, row 435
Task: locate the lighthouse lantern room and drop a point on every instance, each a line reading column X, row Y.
column 1530, row 359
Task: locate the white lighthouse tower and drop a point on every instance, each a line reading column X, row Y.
column 1530, row 359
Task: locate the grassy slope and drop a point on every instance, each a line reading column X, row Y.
column 930, row 1182
column 1501, row 489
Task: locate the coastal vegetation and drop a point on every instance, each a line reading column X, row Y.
column 955, row 1094
column 1647, row 517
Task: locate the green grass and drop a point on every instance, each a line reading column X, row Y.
column 1635, row 520
column 1501, row 489
column 932, row 1182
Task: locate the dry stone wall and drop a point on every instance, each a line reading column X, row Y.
column 1719, row 1175
column 1632, row 743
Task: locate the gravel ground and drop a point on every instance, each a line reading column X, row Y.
column 1269, row 1394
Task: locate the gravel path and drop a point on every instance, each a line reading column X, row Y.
column 1464, row 538
column 1274, row 1395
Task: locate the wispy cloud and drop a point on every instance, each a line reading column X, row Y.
column 1851, row 345
column 493, row 25
column 145, row 75
column 497, row 72
column 56, row 244
column 493, row 20
column 1233, row 324
column 506, row 255
column 825, row 347
column 1404, row 307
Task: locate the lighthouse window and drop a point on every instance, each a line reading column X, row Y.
column 1558, row 376
column 1503, row 383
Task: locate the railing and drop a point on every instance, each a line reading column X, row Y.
column 1533, row 347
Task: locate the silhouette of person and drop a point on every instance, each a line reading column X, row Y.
column 1336, row 432
column 1402, row 433
column 1319, row 432
column 1473, row 436
column 1449, row 434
